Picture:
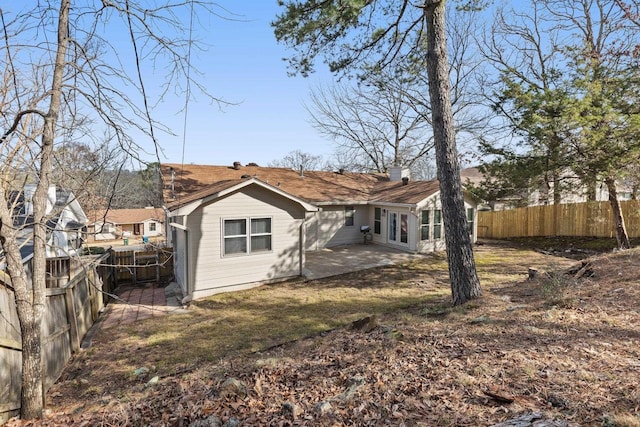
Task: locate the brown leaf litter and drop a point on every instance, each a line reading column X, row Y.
column 557, row 347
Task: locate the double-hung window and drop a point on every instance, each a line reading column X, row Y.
column 246, row 235
column 437, row 224
column 424, row 225
column 260, row 234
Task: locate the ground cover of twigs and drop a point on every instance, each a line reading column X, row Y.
column 561, row 344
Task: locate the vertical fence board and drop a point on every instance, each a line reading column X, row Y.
column 70, row 305
column 10, row 355
column 56, row 348
column 590, row 219
column 82, row 300
column 142, row 266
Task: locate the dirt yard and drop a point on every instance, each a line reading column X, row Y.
column 563, row 346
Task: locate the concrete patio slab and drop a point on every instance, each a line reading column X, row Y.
column 344, row 259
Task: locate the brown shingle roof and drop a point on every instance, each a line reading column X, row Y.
column 195, row 181
column 412, row 193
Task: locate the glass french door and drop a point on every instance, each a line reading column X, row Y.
column 398, row 228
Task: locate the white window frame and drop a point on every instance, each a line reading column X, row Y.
column 248, row 235
column 349, row 216
column 437, row 226
column 252, row 235
column 425, row 225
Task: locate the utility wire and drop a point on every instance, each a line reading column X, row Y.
column 188, row 92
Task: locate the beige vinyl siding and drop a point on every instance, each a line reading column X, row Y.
column 213, row 271
column 330, row 229
column 311, row 232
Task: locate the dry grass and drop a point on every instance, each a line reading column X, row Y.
column 569, row 349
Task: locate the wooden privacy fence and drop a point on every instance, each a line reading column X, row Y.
column 142, row 266
column 73, row 305
column 590, row 219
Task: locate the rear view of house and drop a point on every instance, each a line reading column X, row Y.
column 239, row 226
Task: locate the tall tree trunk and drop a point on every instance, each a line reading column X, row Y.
column 557, row 191
column 31, row 297
column 465, row 284
column 618, row 219
column 30, row 316
column 591, row 189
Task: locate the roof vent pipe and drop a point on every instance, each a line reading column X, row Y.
column 405, row 180
column 237, row 165
column 301, row 171
column 173, row 182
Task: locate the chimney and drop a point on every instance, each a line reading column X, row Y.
column 301, row 171
column 237, row 165
column 396, row 173
column 405, row 180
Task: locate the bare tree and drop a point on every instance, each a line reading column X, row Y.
column 62, row 78
column 373, row 123
column 298, row 159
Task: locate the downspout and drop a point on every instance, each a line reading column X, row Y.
column 187, row 265
column 303, row 243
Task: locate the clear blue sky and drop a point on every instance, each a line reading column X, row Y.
column 244, row 65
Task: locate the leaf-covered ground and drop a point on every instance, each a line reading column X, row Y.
column 564, row 347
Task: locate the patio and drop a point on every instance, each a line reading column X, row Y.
column 346, row 259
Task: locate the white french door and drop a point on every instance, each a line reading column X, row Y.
column 398, row 228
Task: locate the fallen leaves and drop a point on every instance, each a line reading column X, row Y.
column 512, row 358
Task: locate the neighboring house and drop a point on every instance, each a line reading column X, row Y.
column 116, row 223
column 574, row 192
column 64, row 228
column 237, row 227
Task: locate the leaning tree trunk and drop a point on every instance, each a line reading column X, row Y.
column 618, row 219
column 465, row 284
